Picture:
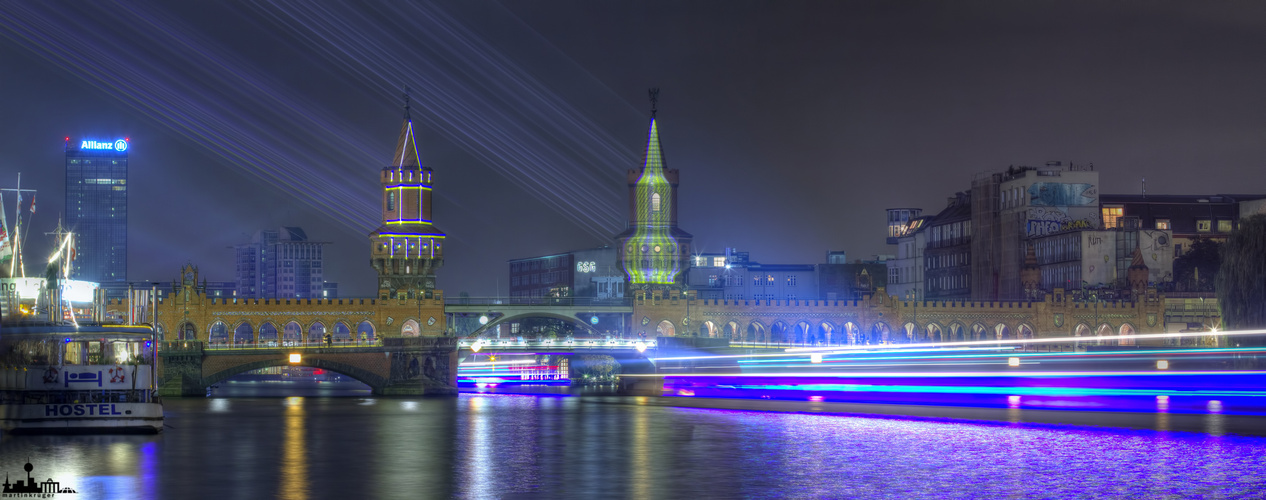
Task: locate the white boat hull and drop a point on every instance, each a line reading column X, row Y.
column 82, row 417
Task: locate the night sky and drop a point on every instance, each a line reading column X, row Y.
column 794, row 124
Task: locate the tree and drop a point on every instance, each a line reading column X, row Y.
column 1196, row 270
column 1241, row 282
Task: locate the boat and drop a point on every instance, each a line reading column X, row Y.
column 78, row 379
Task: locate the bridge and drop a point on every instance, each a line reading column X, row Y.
column 474, row 317
column 416, row 366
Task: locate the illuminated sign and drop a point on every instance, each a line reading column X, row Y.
column 119, row 145
column 30, row 288
column 586, row 267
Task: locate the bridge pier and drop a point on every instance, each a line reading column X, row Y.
column 412, row 366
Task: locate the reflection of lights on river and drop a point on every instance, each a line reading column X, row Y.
column 219, row 405
column 294, row 460
column 479, row 467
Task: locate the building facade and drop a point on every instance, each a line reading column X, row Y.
column 1185, row 217
column 96, row 208
column 282, row 264
column 592, row 273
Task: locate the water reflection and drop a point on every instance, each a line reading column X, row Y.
column 294, row 461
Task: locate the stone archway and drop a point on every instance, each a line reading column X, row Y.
column 708, row 329
column 1126, row 330
column 778, row 333
column 410, row 329
column 316, row 332
column 934, row 333
column 187, row 332
column 665, row 328
column 957, row 332
column 365, row 331
column 218, row 333
column 1105, row 330
column 732, row 332
column 756, row 332
column 1024, row 332
column 852, row 333
column 243, row 334
column 267, row 332
column 1002, row 331
column 826, row 333
column 879, row 333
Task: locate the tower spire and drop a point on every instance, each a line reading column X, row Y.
column 654, row 93
column 407, row 118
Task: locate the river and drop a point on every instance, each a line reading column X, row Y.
column 337, row 441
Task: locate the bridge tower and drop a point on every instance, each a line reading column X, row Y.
column 653, row 251
column 407, row 249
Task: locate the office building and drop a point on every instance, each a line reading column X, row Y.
column 96, row 208
column 282, row 264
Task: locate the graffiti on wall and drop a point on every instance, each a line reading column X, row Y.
column 1042, row 221
column 1058, row 194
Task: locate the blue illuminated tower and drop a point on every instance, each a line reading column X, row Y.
column 96, row 208
column 653, row 250
column 407, row 249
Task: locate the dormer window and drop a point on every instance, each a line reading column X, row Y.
column 655, row 202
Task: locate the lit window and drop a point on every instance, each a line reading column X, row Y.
column 1162, row 224
column 1203, row 226
column 1111, row 216
column 1224, row 226
column 791, row 280
column 655, row 202
column 718, row 261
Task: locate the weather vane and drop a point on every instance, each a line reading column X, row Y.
column 654, row 92
column 406, row 103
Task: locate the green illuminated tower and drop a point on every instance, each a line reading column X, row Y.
column 653, row 251
column 407, row 249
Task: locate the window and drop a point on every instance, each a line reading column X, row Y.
column 1224, row 226
column 770, row 279
column 655, row 202
column 791, row 280
column 756, row 280
column 1203, row 226
column 1162, row 224
column 718, row 261
column 391, row 200
column 1111, row 216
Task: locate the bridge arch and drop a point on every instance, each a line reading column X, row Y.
column 342, row 332
column 268, row 332
column 410, row 329
column 1126, row 329
column 218, row 332
column 373, row 380
column 243, row 333
column 365, row 331
column 708, row 329
column 666, row 328
column 851, row 333
column 1024, row 331
column 934, row 333
column 316, row 332
column 293, row 332
column 756, row 332
column 979, row 332
column 493, row 322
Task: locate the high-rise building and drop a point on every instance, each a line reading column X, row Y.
column 96, row 208
column 653, row 250
column 282, row 264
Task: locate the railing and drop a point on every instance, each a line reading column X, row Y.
column 539, row 301
column 556, row 343
column 196, row 345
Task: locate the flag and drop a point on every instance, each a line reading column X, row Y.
column 6, row 248
column 32, row 203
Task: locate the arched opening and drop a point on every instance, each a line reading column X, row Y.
column 732, row 331
column 279, row 378
column 910, row 331
column 852, row 334
column 708, row 329
column 410, row 329
column 292, row 333
column 1126, row 329
column 1105, row 330
column 1081, row 331
column 1024, row 332
column 654, row 202
column 316, row 332
column 244, row 334
column 756, row 332
column 267, row 333
column 342, row 332
column 187, row 332
column 979, row 332
column 878, row 333
column 804, row 333
column 160, row 331
column 219, row 333
column 365, row 331
column 934, row 333
column 1002, row 332
column 956, row 332
column 665, row 328
column 826, row 333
